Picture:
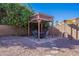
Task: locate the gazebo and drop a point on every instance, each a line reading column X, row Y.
column 39, row 18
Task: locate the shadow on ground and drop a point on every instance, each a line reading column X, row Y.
column 25, row 42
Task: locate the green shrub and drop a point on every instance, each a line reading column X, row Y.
column 14, row 14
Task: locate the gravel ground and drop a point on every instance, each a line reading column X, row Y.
column 23, row 46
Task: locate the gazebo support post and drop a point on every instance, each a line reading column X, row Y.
column 28, row 28
column 38, row 30
column 41, row 27
column 76, row 31
column 52, row 28
column 52, row 31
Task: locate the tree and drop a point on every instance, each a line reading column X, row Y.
column 14, row 14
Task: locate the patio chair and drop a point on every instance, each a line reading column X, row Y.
column 47, row 34
column 34, row 33
column 42, row 34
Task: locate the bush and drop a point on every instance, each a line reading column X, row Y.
column 14, row 14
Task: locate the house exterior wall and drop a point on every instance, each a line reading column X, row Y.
column 11, row 30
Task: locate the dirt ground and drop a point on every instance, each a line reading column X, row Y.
column 23, row 46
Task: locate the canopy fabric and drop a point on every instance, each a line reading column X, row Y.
column 70, row 21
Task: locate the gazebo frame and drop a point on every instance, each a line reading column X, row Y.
column 38, row 18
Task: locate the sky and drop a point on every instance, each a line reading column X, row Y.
column 60, row 11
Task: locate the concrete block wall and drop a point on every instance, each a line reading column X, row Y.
column 11, row 30
column 68, row 31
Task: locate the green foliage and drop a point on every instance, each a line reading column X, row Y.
column 14, row 14
column 46, row 25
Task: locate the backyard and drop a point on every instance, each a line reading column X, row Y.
column 23, row 32
column 24, row 46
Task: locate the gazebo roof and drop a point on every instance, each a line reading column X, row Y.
column 41, row 17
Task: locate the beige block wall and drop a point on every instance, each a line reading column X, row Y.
column 11, row 30
column 74, row 33
column 78, row 34
column 67, row 30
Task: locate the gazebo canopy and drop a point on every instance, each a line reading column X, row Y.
column 72, row 21
column 39, row 18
